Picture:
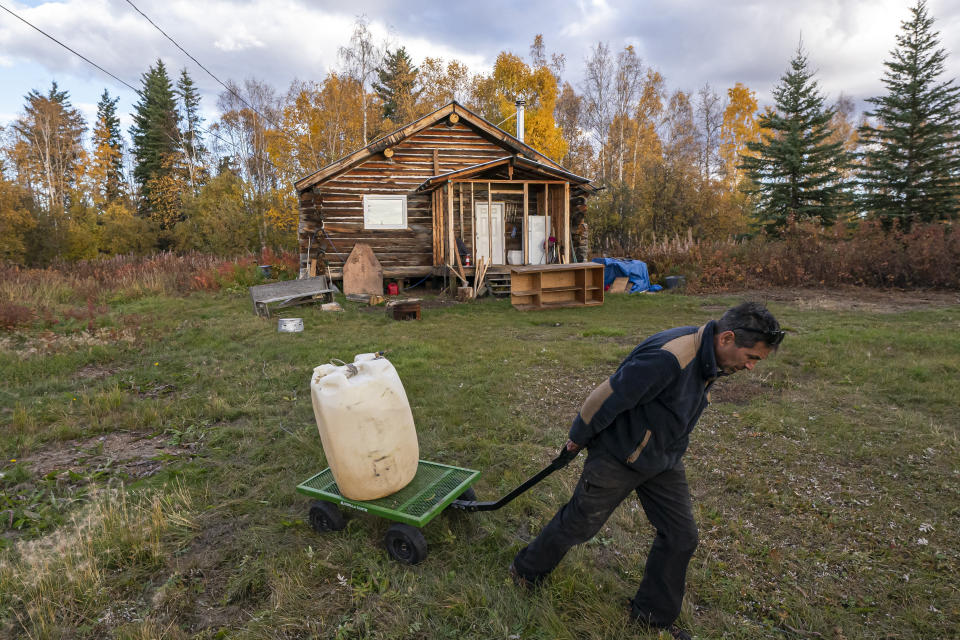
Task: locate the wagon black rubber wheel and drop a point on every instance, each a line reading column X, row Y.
column 469, row 494
column 406, row 544
column 325, row 516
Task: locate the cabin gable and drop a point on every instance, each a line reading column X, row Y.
column 439, row 148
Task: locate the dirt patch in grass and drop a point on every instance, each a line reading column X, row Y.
column 428, row 301
column 49, row 342
column 136, row 454
column 96, row 372
column 853, row 299
column 738, row 390
column 202, row 572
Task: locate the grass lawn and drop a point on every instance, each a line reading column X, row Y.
column 149, row 468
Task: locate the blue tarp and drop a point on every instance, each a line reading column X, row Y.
column 636, row 270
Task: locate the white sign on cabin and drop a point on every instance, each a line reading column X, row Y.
column 384, row 212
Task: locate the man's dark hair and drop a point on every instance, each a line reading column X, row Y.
column 751, row 322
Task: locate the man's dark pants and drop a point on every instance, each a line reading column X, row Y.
column 604, row 484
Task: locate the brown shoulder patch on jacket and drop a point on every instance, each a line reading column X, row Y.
column 685, row 348
column 595, row 400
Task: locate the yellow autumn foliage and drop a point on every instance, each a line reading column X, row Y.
column 513, row 78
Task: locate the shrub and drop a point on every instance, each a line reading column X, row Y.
column 79, row 290
column 14, row 315
column 809, row 255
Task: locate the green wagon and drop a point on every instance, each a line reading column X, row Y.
column 435, row 487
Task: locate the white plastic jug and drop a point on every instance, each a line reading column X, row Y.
column 366, row 426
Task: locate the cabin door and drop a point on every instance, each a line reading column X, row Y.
column 537, row 237
column 483, row 225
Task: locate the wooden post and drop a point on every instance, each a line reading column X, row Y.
column 433, row 228
column 489, row 224
column 473, row 228
column 548, row 228
column 566, row 223
column 461, row 210
column 441, row 249
column 453, row 242
column 526, row 224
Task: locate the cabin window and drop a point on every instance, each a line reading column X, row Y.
column 384, row 212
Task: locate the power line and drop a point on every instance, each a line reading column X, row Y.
column 129, row 86
column 209, row 73
column 80, row 55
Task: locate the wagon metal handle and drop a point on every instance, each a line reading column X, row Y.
column 559, row 462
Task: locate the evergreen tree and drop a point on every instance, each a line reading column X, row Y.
column 912, row 160
column 796, row 169
column 107, row 166
column 397, row 86
column 191, row 141
column 155, row 136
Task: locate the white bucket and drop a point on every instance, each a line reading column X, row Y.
column 515, row 257
column 290, row 325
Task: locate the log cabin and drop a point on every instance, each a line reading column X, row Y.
column 450, row 182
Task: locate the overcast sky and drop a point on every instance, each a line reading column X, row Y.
column 691, row 42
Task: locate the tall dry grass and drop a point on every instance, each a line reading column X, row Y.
column 80, row 290
column 68, row 579
column 926, row 256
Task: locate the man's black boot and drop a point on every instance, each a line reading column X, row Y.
column 521, row 580
column 675, row 632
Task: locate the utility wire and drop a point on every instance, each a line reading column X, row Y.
column 126, row 84
column 80, row 55
column 209, row 73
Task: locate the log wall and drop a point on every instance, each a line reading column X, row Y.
column 338, row 202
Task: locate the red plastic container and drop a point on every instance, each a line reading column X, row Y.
column 392, row 289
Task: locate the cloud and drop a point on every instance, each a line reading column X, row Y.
column 692, row 42
column 238, row 42
column 589, row 18
column 89, row 112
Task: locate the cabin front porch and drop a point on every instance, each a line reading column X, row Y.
column 504, row 213
column 508, row 212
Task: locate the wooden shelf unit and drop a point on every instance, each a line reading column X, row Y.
column 550, row 286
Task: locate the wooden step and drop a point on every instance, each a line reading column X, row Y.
column 499, row 284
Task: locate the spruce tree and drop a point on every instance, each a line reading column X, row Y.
column 155, row 134
column 796, row 170
column 397, row 86
column 911, row 165
column 108, row 149
column 191, row 141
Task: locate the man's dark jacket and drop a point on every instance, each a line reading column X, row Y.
column 644, row 413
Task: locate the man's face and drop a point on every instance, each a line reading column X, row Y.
column 731, row 358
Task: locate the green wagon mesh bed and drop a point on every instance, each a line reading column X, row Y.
column 433, row 488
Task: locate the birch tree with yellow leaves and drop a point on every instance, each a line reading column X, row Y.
column 512, row 78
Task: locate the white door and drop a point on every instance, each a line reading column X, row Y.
column 537, row 239
column 483, row 224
